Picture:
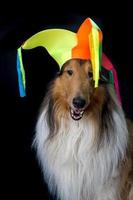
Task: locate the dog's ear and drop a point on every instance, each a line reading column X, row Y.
column 104, row 76
column 60, row 72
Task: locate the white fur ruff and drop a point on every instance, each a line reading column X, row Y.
column 73, row 167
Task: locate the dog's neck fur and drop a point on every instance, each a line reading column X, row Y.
column 77, row 160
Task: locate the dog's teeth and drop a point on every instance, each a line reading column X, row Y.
column 72, row 111
column 76, row 114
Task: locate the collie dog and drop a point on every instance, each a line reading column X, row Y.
column 81, row 139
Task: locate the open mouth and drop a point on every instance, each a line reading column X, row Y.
column 76, row 114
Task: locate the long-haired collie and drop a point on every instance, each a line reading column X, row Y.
column 82, row 140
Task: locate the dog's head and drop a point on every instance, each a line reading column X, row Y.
column 74, row 87
column 78, row 85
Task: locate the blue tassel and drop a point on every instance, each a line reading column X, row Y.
column 20, row 78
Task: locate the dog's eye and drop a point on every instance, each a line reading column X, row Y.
column 70, row 72
column 90, row 74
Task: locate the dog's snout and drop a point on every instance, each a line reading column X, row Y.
column 79, row 102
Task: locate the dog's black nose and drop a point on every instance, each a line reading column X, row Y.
column 79, row 102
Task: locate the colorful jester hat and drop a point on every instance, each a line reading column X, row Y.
column 64, row 45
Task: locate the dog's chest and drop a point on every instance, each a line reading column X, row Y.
column 76, row 167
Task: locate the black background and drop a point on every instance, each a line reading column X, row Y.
column 21, row 175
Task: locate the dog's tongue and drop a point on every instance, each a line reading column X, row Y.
column 76, row 114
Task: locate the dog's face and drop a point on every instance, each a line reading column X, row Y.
column 75, row 86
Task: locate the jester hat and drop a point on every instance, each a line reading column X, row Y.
column 64, row 45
